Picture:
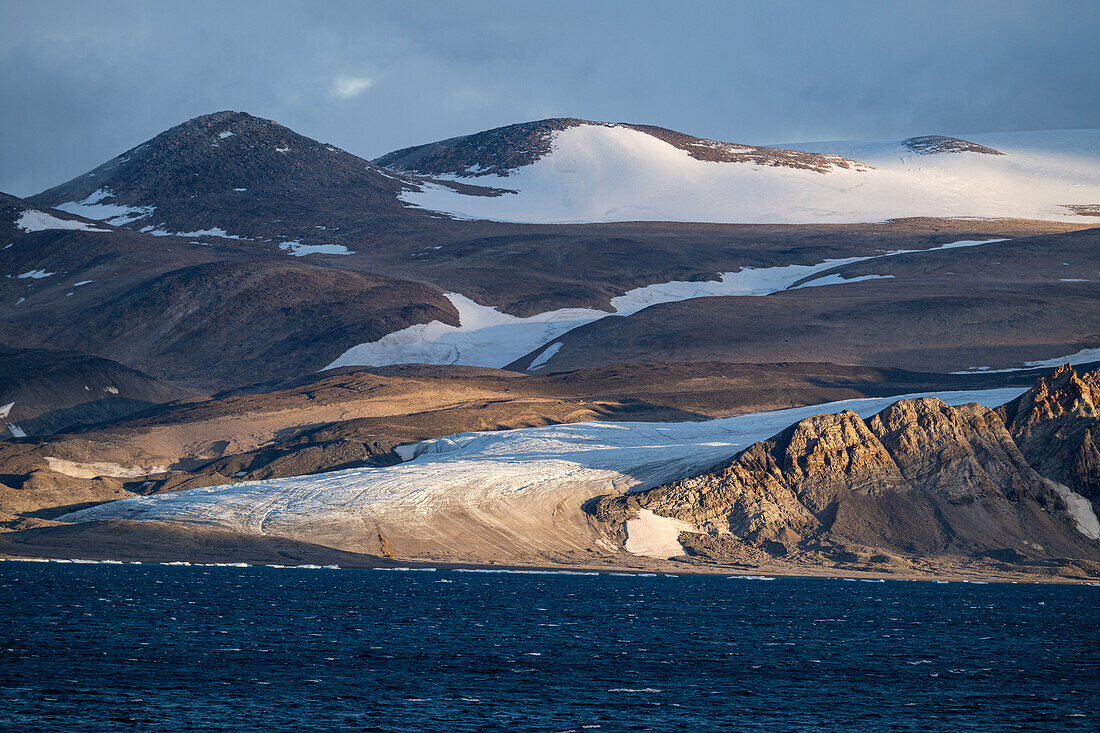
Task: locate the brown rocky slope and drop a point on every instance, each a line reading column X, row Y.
column 1057, row 427
column 920, row 478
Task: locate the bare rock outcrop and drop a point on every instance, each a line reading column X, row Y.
column 920, row 478
column 935, row 144
column 1056, row 425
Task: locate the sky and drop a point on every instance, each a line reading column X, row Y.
column 82, row 82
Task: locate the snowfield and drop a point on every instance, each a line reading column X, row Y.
column 297, row 249
column 487, row 337
column 93, row 208
column 211, row 232
column 514, row 486
column 32, row 220
column 605, row 174
column 1084, row 356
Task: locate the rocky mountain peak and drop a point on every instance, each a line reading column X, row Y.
column 235, row 173
column 1056, row 425
column 830, row 445
column 1061, row 393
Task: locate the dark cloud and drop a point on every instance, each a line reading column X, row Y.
column 81, row 82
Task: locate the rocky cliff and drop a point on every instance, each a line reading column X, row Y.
column 919, row 478
column 1056, row 425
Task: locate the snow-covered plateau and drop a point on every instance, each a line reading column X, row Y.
column 597, row 173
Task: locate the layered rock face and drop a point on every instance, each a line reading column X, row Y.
column 1057, row 427
column 920, row 477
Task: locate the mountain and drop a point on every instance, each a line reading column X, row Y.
column 920, row 478
column 504, row 150
column 204, row 314
column 231, row 174
column 332, row 268
column 322, row 422
column 572, row 170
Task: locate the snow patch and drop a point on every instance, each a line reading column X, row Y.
column 34, row 274
column 93, row 208
column 223, row 135
column 406, row 452
column 5, row 410
column 544, row 356
column 212, row 232
column 33, row 220
column 487, row 337
column 298, row 249
column 1084, row 356
column 655, row 536
column 1080, row 509
column 16, row 431
column 838, row 279
column 100, row 468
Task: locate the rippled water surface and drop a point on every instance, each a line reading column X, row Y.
column 105, row 647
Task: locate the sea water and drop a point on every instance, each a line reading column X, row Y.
column 149, row 647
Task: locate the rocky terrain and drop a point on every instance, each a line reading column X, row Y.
column 203, row 314
column 354, row 417
column 1057, row 428
column 918, row 479
column 232, row 307
column 264, row 314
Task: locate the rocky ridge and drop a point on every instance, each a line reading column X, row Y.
column 1057, row 428
column 918, row 478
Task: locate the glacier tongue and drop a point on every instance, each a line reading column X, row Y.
column 508, row 491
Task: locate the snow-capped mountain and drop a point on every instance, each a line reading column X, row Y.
column 230, row 174
column 572, row 171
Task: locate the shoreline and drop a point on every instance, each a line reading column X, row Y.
column 665, row 569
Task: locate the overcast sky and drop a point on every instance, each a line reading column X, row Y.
column 81, row 82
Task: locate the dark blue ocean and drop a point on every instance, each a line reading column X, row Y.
column 146, row 647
